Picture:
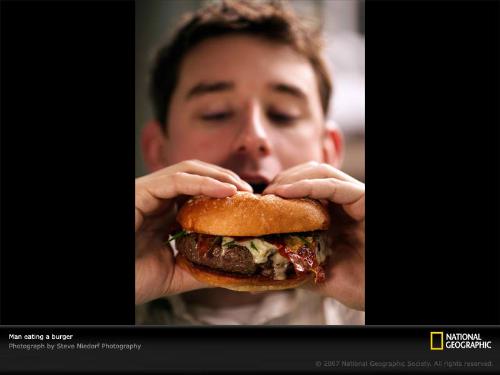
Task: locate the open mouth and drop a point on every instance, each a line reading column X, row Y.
column 258, row 187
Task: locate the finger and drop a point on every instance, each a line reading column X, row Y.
column 280, row 175
column 335, row 190
column 357, row 209
column 349, row 194
column 222, row 174
column 297, row 170
column 318, row 171
column 309, row 171
column 182, row 281
column 339, row 289
column 150, row 195
column 222, row 169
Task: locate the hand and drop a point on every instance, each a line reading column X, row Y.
column 345, row 270
column 156, row 195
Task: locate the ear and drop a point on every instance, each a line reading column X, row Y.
column 153, row 146
column 333, row 145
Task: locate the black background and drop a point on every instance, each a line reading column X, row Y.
column 67, row 154
column 67, row 162
column 432, row 162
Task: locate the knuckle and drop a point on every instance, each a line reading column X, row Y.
column 332, row 182
column 182, row 165
column 177, row 178
column 325, row 168
column 277, row 178
column 141, row 198
column 139, row 186
column 178, row 175
column 308, row 182
column 207, row 180
column 186, row 164
column 229, row 172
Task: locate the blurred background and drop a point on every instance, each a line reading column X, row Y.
column 343, row 26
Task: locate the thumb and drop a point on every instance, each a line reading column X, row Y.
column 183, row 281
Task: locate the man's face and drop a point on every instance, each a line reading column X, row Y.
column 248, row 105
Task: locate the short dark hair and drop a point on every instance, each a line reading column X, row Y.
column 272, row 20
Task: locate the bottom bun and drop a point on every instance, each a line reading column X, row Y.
column 239, row 283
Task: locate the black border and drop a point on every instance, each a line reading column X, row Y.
column 67, row 133
column 432, row 162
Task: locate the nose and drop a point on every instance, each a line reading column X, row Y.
column 253, row 138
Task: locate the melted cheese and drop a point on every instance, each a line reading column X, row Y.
column 280, row 264
column 322, row 250
column 260, row 250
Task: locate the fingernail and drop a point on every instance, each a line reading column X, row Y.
column 243, row 185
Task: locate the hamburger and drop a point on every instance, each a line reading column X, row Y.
column 252, row 242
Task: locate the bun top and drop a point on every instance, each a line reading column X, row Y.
column 247, row 214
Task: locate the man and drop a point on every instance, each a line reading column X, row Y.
column 241, row 96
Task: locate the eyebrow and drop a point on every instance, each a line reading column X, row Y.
column 219, row 86
column 205, row 88
column 289, row 89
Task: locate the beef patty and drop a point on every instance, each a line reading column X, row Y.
column 236, row 259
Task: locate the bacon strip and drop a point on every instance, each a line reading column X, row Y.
column 303, row 260
column 204, row 244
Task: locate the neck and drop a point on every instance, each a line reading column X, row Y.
column 218, row 297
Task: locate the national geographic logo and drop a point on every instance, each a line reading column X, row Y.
column 441, row 340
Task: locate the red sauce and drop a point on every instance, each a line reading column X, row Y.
column 203, row 244
column 304, row 260
column 281, row 249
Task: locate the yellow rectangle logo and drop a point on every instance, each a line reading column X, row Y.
column 441, row 339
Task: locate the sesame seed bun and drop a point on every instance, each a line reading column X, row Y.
column 247, row 214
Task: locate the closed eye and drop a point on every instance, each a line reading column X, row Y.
column 218, row 116
column 281, row 118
